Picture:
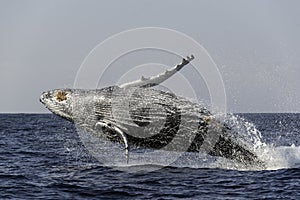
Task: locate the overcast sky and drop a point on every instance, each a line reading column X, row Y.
column 255, row 44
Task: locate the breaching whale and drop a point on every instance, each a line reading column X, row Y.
column 135, row 114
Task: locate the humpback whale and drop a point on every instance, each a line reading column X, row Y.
column 136, row 114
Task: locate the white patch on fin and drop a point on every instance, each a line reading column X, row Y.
column 156, row 80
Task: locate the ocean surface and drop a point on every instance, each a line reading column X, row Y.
column 42, row 157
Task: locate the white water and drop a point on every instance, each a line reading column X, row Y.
column 280, row 157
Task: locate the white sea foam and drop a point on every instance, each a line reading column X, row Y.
column 280, row 157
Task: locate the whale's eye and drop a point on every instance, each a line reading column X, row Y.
column 61, row 96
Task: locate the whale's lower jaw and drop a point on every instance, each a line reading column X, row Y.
column 61, row 114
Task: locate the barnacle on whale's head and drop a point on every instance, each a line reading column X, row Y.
column 61, row 95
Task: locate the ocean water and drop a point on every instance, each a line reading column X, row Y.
column 42, row 157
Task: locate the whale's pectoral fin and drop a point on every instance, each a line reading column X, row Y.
column 122, row 135
column 156, row 80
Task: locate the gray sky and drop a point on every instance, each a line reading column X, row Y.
column 255, row 44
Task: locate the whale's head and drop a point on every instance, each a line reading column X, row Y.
column 59, row 102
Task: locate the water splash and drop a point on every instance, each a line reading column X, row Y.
column 274, row 157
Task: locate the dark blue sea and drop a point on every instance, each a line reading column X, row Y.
column 42, row 157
